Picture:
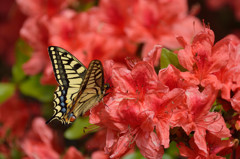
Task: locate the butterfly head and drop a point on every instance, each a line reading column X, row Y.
column 106, row 86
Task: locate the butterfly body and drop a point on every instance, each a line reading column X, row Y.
column 79, row 88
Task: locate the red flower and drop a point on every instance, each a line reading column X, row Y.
column 10, row 23
column 73, row 153
column 99, row 154
column 38, row 142
column 150, row 22
column 203, row 59
column 12, row 119
column 214, row 146
column 195, row 116
column 39, row 7
column 97, row 142
column 139, row 104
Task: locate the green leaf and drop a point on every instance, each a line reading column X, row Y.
column 16, row 154
column 2, row 156
column 76, row 131
column 168, row 57
column 172, row 152
column 134, row 155
column 22, row 54
column 32, row 87
column 6, row 91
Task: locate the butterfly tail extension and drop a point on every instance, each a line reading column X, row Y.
column 51, row 119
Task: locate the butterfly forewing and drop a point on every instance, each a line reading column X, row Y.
column 69, row 73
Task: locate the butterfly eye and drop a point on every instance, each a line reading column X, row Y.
column 106, row 86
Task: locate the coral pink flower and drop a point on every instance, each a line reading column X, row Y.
column 203, row 59
column 73, row 153
column 99, row 154
column 138, row 106
column 38, row 142
column 16, row 122
column 150, row 22
column 10, row 23
column 39, row 7
column 215, row 146
column 196, row 117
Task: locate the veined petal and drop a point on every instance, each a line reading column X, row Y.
column 200, row 141
column 149, row 145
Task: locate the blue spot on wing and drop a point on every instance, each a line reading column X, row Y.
column 62, row 104
column 63, row 110
column 62, row 99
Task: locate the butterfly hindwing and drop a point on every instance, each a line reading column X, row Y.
column 92, row 89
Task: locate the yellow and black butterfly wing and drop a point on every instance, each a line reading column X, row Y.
column 69, row 73
column 92, row 89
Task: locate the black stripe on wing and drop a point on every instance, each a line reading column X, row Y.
column 68, row 70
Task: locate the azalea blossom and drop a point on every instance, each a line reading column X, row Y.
column 16, row 122
column 73, row 153
column 203, row 59
column 139, row 104
column 150, row 22
column 196, row 116
column 10, row 23
column 38, row 142
column 215, row 146
column 91, row 34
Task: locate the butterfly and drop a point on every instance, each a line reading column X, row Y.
column 79, row 88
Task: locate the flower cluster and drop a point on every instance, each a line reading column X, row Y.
column 144, row 106
column 112, row 30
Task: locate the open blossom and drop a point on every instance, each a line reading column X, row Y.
column 10, row 23
column 215, row 146
column 39, row 141
column 16, row 122
column 150, row 22
column 91, row 34
column 203, row 59
column 73, row 153
column 213, row 64
column 196, row 116
column 139, row 103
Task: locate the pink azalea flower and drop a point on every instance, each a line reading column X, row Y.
column 10, row 23
column 99, row 154
column 73, row 153
column 97, row 142
column 152, row 22
column 16, row 122
column 195, row 116
column 203, row 59
column 138, row 105
column 39, row 7
column 38, row 142
column 214, row 146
